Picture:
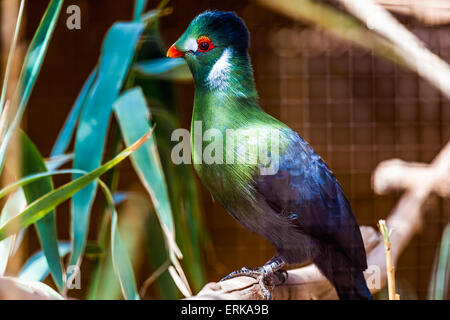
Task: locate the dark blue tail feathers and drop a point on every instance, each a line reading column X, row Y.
column 348, row 281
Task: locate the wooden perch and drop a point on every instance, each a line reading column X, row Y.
column 305, row 283
column 405, row 221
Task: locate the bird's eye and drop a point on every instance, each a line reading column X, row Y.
column 204, row 44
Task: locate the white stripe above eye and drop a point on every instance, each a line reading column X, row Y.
column 191, row 45
column 220, row 71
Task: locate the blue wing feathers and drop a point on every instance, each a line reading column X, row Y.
column 305, row 187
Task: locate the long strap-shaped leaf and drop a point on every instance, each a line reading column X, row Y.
column 55, row 162
column 67, row 130
column 117, row 54
column 36, row 268
column 30, row 70
column 15, row 203
column 189, row 224
column 440, row 278
column 34, row 177
column 163, row 69
column 32, row 162
column 40, row 207
column 121, row 261
column 139, row 6
column 133, row 116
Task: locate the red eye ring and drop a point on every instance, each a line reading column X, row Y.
column 205, row 44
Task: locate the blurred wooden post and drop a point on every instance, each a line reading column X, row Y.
column 9, row 10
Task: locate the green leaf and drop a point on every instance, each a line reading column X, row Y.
column 133, row 116
column 40, row 207
column 63, row 140
column 15, row 204
column 55, row 162
column 121, row 260
column 36, row 268
column 117, row 54
column 34, row 177
column 158, row 255
column 149, row 16
column 32, row 162
column 189, row 224
column 191, row 232
column 105, row 284
column 30, row 70
column 93, row 250
column 164, row 69
column 441, row 269
column 139, row 6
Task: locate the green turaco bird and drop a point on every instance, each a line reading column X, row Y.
column 289, row 196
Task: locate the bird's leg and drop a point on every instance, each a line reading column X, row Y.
column 263, row 274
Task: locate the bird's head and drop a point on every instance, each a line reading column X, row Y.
column 209, row 43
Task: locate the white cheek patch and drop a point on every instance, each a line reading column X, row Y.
column 220, row 72
column 191, row 45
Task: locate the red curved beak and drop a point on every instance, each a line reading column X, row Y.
column 174, row 52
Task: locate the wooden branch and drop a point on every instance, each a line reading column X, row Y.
column 396, row 174
column 305, row 283
column 431, row 12
column 404, row 221
column 384, row 34
column 405, row 43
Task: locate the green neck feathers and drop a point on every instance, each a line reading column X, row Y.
column 225, row 93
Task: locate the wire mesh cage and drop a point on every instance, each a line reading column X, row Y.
column 355, row 107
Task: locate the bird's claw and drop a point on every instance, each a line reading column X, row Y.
column 242, row 272
column 282, row 275
column 264, row 279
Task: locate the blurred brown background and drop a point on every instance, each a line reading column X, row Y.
column 354, row 108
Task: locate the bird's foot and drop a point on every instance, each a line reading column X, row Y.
column 258, row 274
column 265, row 275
